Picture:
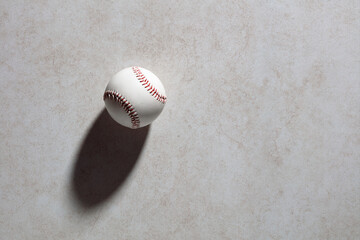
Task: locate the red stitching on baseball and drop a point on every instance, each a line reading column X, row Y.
column 125, row 104
column 148, row 86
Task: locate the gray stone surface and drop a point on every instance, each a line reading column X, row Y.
column 260, row 138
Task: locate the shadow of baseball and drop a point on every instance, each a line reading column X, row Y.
column 105, row 159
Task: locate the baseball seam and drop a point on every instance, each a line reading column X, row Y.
column 125, row 104
column 148, row 86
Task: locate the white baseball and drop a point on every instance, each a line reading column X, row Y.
column 134, row 97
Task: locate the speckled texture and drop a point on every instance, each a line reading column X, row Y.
column 260, row 138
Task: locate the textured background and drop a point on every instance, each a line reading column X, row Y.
column 260, row 138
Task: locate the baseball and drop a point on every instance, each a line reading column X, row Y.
column 134, row 97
